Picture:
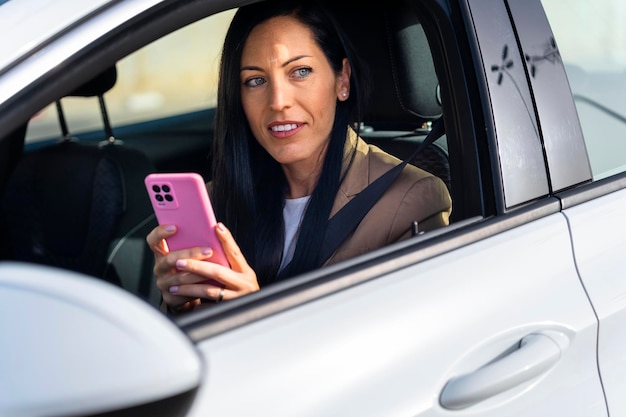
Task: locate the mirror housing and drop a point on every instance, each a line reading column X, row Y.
column 76, row 345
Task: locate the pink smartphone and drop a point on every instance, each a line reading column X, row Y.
column 182, row 199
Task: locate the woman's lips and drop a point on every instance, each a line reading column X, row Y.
column 285, row 130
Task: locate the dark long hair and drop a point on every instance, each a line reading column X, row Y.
column 249, row 186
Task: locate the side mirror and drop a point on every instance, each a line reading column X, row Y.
column 75, row 345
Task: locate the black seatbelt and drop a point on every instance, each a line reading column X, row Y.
column 347, row 219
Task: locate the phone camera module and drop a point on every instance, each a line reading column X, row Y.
column 163, row 194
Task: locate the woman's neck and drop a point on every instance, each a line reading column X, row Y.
column 301, row 182
column 301, row 188
column 302, row 176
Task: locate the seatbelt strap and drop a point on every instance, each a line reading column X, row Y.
column 348, row 218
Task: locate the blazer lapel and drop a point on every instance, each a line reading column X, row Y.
column 355, row 173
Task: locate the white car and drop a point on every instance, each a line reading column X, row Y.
column 517, row 308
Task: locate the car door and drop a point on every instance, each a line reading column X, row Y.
column 596, row 213
column 487, row 318
column 497, row 327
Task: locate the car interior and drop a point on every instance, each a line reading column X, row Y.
column 78, row 202
column 89, row 223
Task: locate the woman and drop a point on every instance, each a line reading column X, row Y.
column 286, row 160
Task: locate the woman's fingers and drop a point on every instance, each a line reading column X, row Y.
column 231, row 249
column 201, row 290
column 198, row 271
column 209, row 274
column 156, row 238
column 186, row 276
column 177, row 301
column 167, row 274
column 166, row 267
column 165, row 280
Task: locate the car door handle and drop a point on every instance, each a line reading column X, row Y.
column 536, row 354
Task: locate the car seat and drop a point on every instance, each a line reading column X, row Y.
column 82, row 206
column 404, row 88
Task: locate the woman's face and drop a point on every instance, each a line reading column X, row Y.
column 289, row 92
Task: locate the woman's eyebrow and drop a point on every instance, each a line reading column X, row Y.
column 250, row 68
column 289, row 61
column 295, row 58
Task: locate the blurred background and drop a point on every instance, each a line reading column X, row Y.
column 150, row 84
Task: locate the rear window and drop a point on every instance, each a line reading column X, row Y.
column 163, row 79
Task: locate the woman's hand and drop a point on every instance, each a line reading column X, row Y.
column 182, row 276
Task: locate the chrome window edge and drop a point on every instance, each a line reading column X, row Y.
column 591, row 190
column 278, row 298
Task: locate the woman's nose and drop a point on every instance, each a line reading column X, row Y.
column 281, row 96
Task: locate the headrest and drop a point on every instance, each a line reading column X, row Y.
column 98, row 85
column 390, row 39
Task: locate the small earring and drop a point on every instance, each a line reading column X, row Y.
column 344, row 94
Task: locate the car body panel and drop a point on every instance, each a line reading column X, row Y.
column 389, row 346
column 60, row 361
column 34, row 23
column 42, row 57
column 599, row 246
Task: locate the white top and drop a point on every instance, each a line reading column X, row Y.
column 292, row 215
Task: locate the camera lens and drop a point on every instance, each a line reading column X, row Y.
column 169, row 197
column 156, row 188
column 166, row 188
column 158, row 197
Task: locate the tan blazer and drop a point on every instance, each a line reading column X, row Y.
column 416, row 195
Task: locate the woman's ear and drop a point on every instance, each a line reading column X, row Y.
column 343, row 81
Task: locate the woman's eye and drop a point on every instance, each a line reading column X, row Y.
column 302, row 72
column 254, row 82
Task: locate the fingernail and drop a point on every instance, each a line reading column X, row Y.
column 220, row 227
column 181, row 263
column 207, row 251
column 170, row 228
column 174, row 289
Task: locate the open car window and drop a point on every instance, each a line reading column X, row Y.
column 163, row 99
column 163, row 104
